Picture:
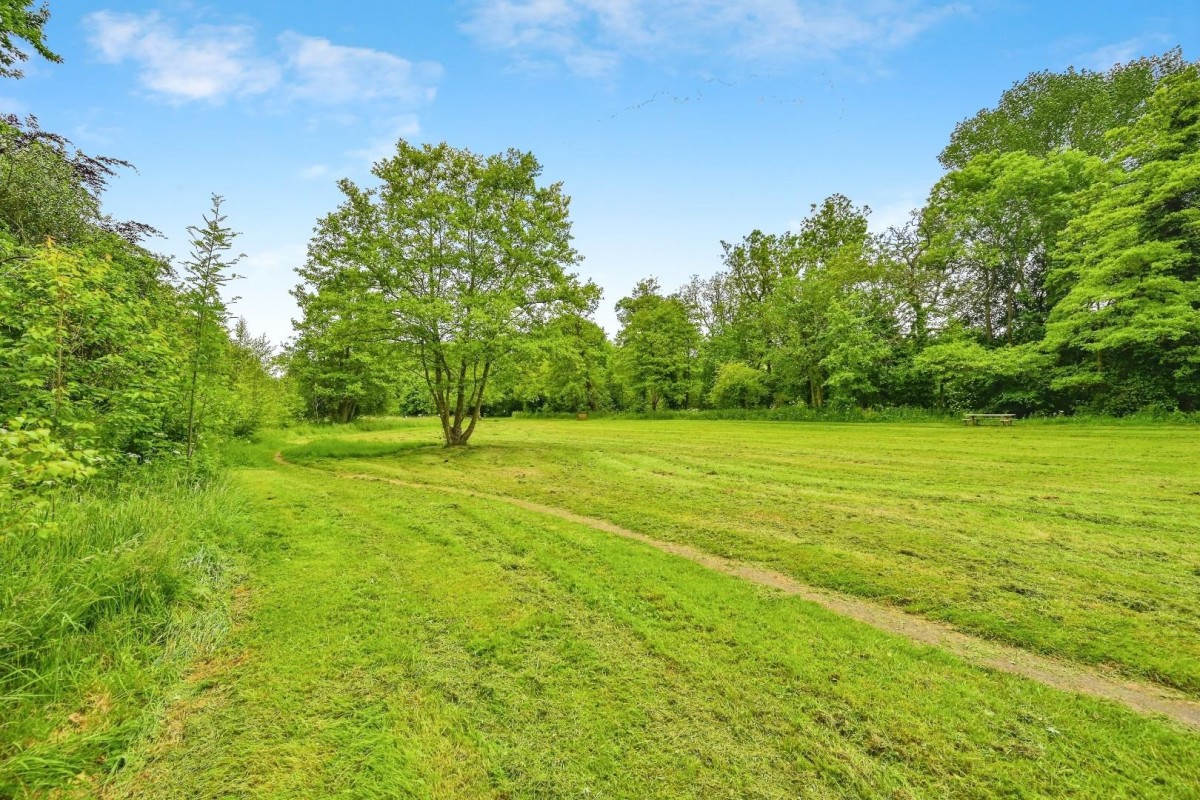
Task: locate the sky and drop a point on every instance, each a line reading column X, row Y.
column 672, row 125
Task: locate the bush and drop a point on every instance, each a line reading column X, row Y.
column 738, row 386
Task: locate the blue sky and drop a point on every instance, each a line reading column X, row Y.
column 673, row 125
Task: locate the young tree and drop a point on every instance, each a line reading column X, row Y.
column 205, row 274
column 463, row 256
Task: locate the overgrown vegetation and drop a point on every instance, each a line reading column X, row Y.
column 118, row 383
column 100, row 619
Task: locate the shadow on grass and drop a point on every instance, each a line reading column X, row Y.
column 337, row 449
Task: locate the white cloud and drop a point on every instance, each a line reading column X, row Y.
column 592, row 37
column 273, row 261
column 207, row 62
column 215, row 62
column 315, row 171
column 1104, row 58
column 328, row 73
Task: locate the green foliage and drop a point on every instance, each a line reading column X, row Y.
column 86, row 336
column 41, row 196
column 100, row 621
column 968, row 376
column 35, row 468
column 22, row 20
column 738, row 386
column 1127, row 328
column 50, row 189
column 340, row 362
column 205, row 274
column 569, row 368
column 997, row 220
column 829, row 295
column 1049, row 112
column 456, row 259
column 257, row 397
column 656, row 351
column 1057, row 236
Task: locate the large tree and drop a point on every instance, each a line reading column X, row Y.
column 657, row 348
column 1127, row 329
column 997, row 222
column 462, row 258
column 1049, row 112
column 571, row 367
column 834, row 279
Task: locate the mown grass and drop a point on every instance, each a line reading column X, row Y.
column 402, row 643
column 1078, row 541
column 97, row 619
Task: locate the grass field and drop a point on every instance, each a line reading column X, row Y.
column 398, row 642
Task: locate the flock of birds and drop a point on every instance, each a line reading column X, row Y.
column 665, row 96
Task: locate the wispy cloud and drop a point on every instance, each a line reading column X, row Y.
column 213, row 63
column 593, row 37
column 315, row 171
column 205, row 62
column 1103, row 58
column 327, row 73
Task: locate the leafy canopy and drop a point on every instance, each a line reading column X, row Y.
column 458, row 259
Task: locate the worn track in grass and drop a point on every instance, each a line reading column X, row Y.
column 1141, row 697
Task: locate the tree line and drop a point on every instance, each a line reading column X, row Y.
column 1054, row 268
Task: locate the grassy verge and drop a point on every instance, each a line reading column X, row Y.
column 99, row 618
column 403, row 643
column 1076, row 541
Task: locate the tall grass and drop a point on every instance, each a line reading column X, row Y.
column 99, row 616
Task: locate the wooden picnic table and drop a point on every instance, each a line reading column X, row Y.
column 975, row 419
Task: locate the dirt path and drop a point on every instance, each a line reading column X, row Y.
column 1141, row 697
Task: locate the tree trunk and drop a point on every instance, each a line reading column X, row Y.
column 455, row 435
column 1010, row 314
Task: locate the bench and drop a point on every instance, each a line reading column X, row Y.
column 975, row 419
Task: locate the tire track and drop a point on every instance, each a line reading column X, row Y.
column 1141, row 697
